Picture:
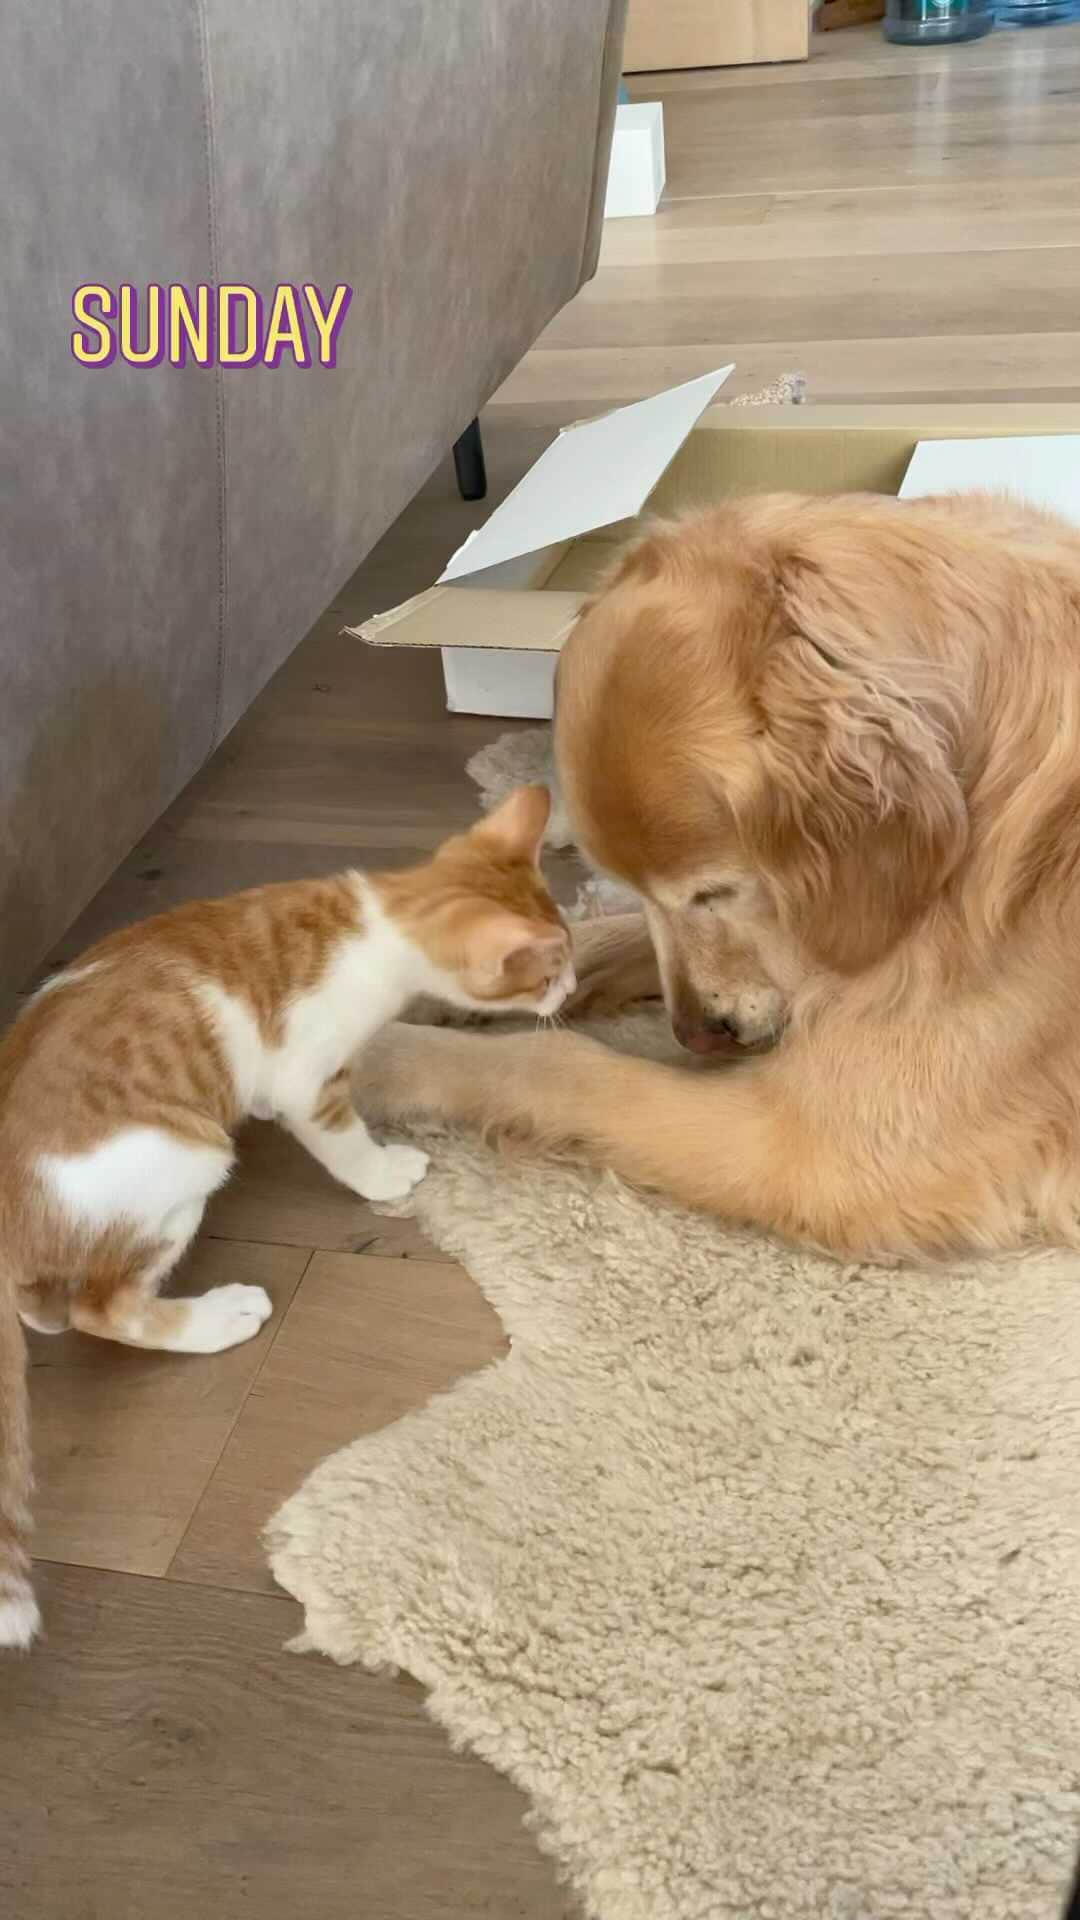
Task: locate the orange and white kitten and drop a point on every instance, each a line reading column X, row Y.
column 124, row 1080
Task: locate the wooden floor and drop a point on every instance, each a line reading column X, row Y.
column 890, row 223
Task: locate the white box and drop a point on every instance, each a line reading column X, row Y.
column 637, row 172
column 516, row 685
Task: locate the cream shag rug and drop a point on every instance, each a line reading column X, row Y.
column 761, row 1575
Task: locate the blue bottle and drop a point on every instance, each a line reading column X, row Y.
column 1036, row 13
column 930, row 23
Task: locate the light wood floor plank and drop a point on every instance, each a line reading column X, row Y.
column 365, row 1341
column 288, row 1198
column 1004, row 292
column 126, row 1441
column 1000, row 366
column 896, row 117
column 862, row 53
column 849, row 222
column 163, row 1759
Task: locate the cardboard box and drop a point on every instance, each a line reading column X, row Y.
column 665, row 34
column 847, row 13
column 507, row 599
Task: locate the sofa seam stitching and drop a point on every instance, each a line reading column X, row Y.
column 219, row 379
column 598, row 159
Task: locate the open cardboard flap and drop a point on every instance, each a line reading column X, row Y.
column 1043, row 470
column 517, row 584
column 592, row 476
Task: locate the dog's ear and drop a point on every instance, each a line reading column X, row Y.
column 860, row 818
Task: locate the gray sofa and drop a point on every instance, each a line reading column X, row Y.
column 169, row 534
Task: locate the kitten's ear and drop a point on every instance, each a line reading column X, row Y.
column 506, row 942
column 516, row 828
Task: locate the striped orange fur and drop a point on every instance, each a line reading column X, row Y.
column 123, row 1081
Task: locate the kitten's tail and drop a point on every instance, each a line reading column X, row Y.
column 19, row 1616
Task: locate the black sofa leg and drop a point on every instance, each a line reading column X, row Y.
column 469, row 464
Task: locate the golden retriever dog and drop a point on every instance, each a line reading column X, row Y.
column 835, row 746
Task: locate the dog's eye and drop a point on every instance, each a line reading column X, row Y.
column 708, row 895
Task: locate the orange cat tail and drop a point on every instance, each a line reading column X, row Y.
column 19, row 1616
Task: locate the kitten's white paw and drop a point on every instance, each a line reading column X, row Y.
column 225, row 1318
column 394, row 1174
column 20, row 1620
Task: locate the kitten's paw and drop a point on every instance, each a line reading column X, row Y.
column 225, row 1318
column 20, row 1621
column 394, row 1174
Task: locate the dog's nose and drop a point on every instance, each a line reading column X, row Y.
column 719, row 1035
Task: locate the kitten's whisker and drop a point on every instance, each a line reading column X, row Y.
column 550, row 1022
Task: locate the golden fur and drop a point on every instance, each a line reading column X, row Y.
column 835, row 743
